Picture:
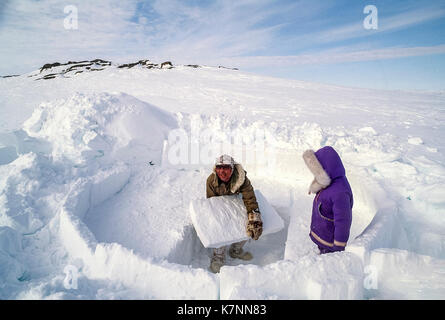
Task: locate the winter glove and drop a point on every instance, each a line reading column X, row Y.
column 254, row 224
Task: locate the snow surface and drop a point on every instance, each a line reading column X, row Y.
column 220, row 221
column 91, row 207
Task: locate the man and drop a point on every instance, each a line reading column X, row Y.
column 229, row 178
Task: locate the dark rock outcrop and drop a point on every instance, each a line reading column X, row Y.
column 73, row 67
column 49, row 66
column 11, row 75
column 77, row 67
column 75, row 64
column 49, row 76
column 143, row 63
column 222, row 67
column 166, row 64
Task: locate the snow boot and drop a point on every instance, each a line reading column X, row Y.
column 218, row 259
column 236, row 251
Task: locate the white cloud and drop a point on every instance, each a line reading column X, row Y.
column 218, row 32
column 32, row 31
column 386, row 24
column 334, row 56
column 224, row 28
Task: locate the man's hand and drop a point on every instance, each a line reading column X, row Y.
column 254, row 224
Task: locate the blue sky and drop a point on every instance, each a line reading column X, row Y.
column 313, row 40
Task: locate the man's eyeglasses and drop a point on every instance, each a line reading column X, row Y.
column 224, row 166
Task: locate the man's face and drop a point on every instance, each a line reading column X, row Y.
column 224, row 172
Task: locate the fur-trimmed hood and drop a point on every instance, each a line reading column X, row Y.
column 236, row 180
column 325, row 165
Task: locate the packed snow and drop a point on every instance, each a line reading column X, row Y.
column 221, row 221
column 98, row 169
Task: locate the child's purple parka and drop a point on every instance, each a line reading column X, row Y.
column 332, row 206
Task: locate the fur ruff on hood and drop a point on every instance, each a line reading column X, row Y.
column 321, row 178
column 238, row 173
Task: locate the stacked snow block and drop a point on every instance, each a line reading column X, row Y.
column 222, row 220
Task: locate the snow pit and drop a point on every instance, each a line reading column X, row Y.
column 140, row 217
column 301, row 273
column 113, row 262
column 282, row 172
column 117, row 261
column 122, row 228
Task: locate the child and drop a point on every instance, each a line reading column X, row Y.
column 332, row 206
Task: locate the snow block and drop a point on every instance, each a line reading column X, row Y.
column 402, row 274
column 384, row 231
column 220, row 221
column 298, row 242
column 336, row 276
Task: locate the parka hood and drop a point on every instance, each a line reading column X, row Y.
column 331, row 162
column 237, row 179
column 325, row 165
